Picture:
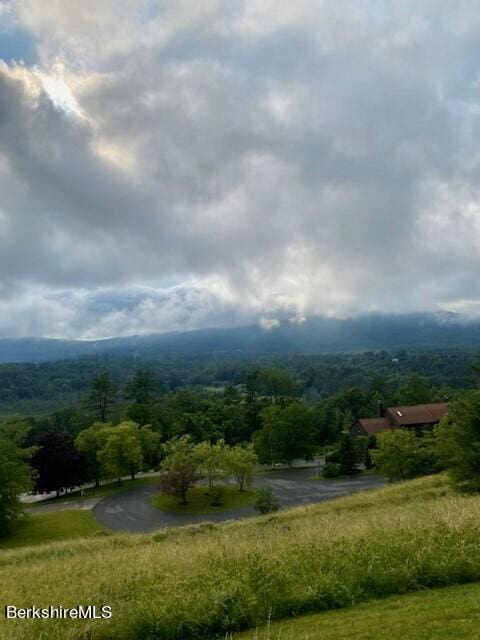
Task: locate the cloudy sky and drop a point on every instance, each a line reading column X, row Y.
column 174, row 164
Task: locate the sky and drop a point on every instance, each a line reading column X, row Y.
column 169, row 165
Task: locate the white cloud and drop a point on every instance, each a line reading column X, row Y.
column 269, row 323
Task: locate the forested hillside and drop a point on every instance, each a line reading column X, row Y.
column 36, row 389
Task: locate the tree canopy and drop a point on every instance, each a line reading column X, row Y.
column 15, row 473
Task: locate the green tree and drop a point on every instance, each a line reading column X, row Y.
column 348, row 454
column 401, row 454
column 121, row 452
column 198, row 425
column 287, row 433
column 15, row 473
column 371, row 445
column 141, row 389
column 241, row 461
column 276, row 384
column 458, row 441
column 212, row 460
column 57, row 463
column 150, row 443
column 102, row 397
column 264, row 440
column 416, row 390
column 180, row 468
column 89, row 442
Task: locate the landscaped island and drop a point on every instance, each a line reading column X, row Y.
column 201, row 501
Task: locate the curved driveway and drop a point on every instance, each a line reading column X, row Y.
column 132, row 510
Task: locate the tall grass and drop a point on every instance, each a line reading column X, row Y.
column 206, row 580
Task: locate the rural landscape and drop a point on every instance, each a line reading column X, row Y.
column 251, row 502
column 239, row 320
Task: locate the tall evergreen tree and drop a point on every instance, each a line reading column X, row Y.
column 347, row 454
column 102, row 397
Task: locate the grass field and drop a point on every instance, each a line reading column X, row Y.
column 209, row 580
column 52, row 527
column 451, row 613
column 200, row 502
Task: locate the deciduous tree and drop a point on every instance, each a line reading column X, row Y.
column 58, row 464
column 458, row 441
column 287, row 433
column 241, row 461
column 15, row 473
column 401, row 454
column 121, row 452
column 212, row 460
column 89, row 442
column 180, row 468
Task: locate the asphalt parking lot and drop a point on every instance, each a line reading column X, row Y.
column 132, row 510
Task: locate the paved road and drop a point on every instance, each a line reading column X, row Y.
column 84, row 504
column 132, row 511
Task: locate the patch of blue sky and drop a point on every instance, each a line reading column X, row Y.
column 17, row 44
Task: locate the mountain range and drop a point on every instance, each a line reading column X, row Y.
column 313, row 336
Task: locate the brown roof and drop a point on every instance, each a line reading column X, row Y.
column 374, row 425
column 418, row 413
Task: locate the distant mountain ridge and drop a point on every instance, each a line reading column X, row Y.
column 314, row 336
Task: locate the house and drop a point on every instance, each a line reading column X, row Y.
column 408, row 417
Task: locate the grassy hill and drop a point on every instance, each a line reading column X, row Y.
column 451, row 613
column 204, row 580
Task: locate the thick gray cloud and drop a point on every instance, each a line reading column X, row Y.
column 174, row 164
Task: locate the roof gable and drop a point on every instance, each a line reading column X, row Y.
column 371, row 426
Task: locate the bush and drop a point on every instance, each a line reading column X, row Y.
column 330, row 470
column 217, row 495
column 266, row 502
column 401, row 454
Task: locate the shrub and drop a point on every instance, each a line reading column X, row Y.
column 217, row 495
column 266, row 502
column 330, row 470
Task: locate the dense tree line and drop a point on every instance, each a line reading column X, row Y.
column 39, row 389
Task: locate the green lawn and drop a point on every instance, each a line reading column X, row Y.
column 52, row 527
column 104, row 490
column 452, row 613
column 200, row 502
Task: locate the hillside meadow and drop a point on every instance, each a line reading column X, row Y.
column 210, row 580
column 451, row 613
